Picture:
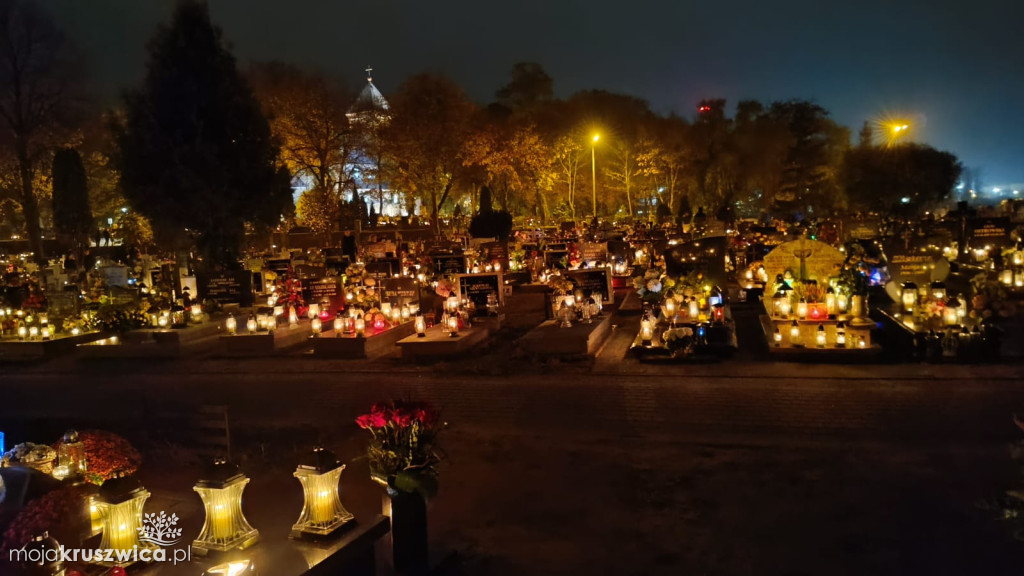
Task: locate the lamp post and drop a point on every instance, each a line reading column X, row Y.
column 593, row 171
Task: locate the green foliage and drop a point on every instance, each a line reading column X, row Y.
column 491, row 224
column 195, row 151
column 71, row 214
column 878, row 179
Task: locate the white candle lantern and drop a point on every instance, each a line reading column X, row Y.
column 313, row 311
column 316, row 326
column 693, row 309
column 231, row 325
column 225, row 527
column 251, row 325
column 453, row 326
column 951, row 312
column 322, row 512
column 339, row 325
column 360, row 325
column 908, row 293
column 801, row 309
column 794, row 334
column 72, row 454
column 421, row 326
column 938, row 290
column 293, row 318
column 777, row 337
column 831, row 307
column 841, row 335
column 819, row 337
column 119, row 505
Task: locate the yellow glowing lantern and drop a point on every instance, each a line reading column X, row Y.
column 421, row 326
column 385, row 309
column 831, row 308
column 861, row 343
column 819, row 337
column 197, row 312
column 339, row 325
column 801, row 309
column 646, row 330
column 322, row 512
column 316, row 326
column 119, row 504
column 1006, row 276
column 670, row 309
column 72, row 454
column 313, row 311
column 46, row 332
column 360, row 325
column 22, row 332
column 841, row 335
column 225, row 527
column 251, row 324
column 842, row 303
column 231, row 325
column 777, row 337
column 406, row 312
column 908, row 293
column 453, row 326
column 693, row 309
column 1018, row 278
column 293, row 317
column 951, row 312
column 794, row 333
column 33, row 332
column 938, row 290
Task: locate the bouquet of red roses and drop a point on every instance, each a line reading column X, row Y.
column 403, row 449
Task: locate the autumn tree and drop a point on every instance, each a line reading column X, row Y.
column 39, row 91
column 430, row 124
column 195, row 152
column 317, row 209
column 568, row 153
column 908, row 178
column 307, row 117
column 514, row 161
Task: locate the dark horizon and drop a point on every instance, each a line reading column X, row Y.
column 949, row 72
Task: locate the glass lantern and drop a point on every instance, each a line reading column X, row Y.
column 119, row 505
column 315, row 325
column 718, row 313
column 777, row 337
column 646, row 330
column 831, row 306
column 801, row 309
column 360, row 326
column 339, row 325
column 225, row 527
column 453, row 326
column 251, row 325
column 951, row 312
column 231, row 325
column 178, row 318
column 841, row 335
column 421, row 326
column 693, row 309
column 908, row 294
column 938, row 290
column 322, row 513
column 794, row 334
column 72, row 454
column 780, row 304
column 819, row 337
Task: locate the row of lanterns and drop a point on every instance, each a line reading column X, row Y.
column 118, row 506
column 796, row 337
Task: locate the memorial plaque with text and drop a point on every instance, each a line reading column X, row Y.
column 477, row 287
column 593, row 280
column 400, row 291
column 234, row 287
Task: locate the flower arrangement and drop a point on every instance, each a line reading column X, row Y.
column 444, row 288
column 107, row 455
column 38, row 456
column 51, row 512
column 118, row 318
column 678, row 340
column 560, row 284
column 403, row 448
column 991, row 301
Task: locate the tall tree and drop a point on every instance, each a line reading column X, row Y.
column 195, row 150
column 430, row 124
column 909, row 178
column 568, row 153
column 307, row 117
column 72, row 217
column 528, row 87
column 39, row 87
column 514, row 161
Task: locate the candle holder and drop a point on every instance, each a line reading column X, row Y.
column 225, row 527
column 319, row 472
column 119, row 505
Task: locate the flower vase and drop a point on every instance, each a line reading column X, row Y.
column 408, row 514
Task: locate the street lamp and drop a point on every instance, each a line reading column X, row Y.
column 593, row 171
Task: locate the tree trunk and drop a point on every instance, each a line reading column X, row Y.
column 30, row 209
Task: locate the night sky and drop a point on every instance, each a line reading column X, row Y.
column 956, row 69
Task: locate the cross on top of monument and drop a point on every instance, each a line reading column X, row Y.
column 369, row 73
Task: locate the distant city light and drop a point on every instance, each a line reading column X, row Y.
column 905, row 200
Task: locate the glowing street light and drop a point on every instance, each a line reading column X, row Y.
column 593, row 171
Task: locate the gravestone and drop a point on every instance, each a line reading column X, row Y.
column 477, row 287
column 805, row 259
column 448, row 264
column 322, row 290
column 593, row 280
column 400, row 291
column 495, row 252
column 594, row 251
column 230, row 287
column 115, row 275
column 993, row 232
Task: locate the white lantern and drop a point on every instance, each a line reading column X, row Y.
column 421, row 326
column 841, row 335
column 313, row 311
column 231, row 325
column 316, row 326
column 225, row 527
column 794, row 334
column 251, row 325
column 119, row 505
column 820, row 336
column 322, row 512
column 360, row 325
column 801, row 309
column 909, row 296
column 777, row 337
